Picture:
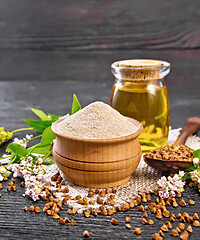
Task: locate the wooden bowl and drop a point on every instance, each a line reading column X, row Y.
column 98, row 163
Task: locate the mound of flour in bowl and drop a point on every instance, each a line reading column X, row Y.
column 96, row 121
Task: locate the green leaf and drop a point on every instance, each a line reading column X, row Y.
column 39, row 125
column 192, row 168
column 40, row 114
column 196, row 153
column 17, row 149
column 54, row 117
column 75, row 105
column 48, row 162
column 47, row 138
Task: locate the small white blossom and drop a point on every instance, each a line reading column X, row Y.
column 28, row 137
column 195, row 160
column 1, row 178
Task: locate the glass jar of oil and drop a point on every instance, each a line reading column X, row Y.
column 139, row 92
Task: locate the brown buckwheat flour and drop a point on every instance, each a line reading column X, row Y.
column 96, row 121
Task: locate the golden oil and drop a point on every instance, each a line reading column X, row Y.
column 144, row 99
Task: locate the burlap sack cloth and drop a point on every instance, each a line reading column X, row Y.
column 143, row 180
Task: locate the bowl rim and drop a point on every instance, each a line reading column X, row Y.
column 93, row 140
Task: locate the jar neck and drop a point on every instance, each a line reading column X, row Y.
column 159, row 82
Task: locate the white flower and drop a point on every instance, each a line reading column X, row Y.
column 1, row 178
column 28, row 137
column 40, row 160
column 181, row 173
column 15, row 174
column 195, row 160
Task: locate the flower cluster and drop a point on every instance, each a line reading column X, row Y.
column 32, row 171
column 195, row 175
column 169, row 186
column 23, row 142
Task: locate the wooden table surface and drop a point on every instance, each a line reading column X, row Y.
column 52, row 49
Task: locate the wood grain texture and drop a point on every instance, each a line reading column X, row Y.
column 26, row 65
column 87, row 25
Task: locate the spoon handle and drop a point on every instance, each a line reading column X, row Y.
column 192, row 125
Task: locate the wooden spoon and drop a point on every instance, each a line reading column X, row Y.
column 192, row 125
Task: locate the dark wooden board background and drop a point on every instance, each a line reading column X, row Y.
column 52, row 49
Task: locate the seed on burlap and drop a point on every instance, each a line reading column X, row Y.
column 110, row 212
column 5, row 178
column 99, row 200
column 91, row 202
column 108, row 190
column 178, row 216
column 105, row 212
column 54, row 177
column 114, row 190
column 65, row 190
column 102, row 193
column 96, row 191
column 71, row 184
